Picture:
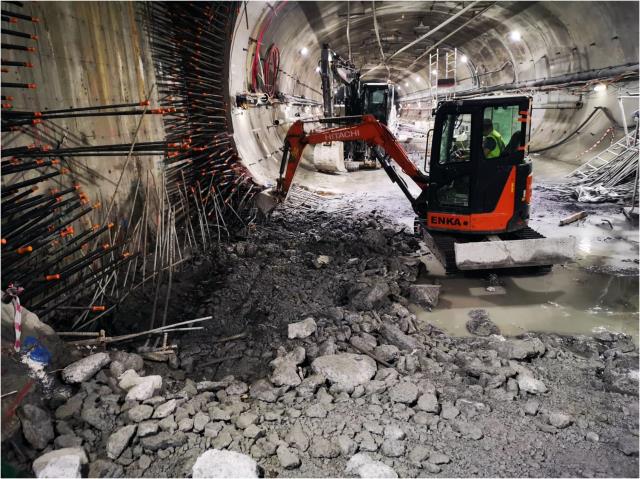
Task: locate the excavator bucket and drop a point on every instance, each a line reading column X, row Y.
column 514, row 253
column 266, row 201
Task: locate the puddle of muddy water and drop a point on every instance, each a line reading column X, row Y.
column 569, row 300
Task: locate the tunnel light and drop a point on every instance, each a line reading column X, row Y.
column 600, row 87
column 515, row 36
column 464, row 59
column 406, row 84
column 317, row 69
column 417, row 79
column 435, row 72
column 304, row 51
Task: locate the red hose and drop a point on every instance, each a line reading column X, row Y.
column 255, row 69
column 271, row 70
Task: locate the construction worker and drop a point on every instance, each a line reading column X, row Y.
column 492, row 143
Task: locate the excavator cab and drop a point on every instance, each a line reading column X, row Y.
column 479, row 177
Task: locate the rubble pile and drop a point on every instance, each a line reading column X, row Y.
column 326, row 372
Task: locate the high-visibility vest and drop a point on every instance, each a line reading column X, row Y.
column 500, row 146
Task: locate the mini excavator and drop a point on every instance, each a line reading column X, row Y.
column 473, row 205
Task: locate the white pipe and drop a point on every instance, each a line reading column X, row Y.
column 429, row 33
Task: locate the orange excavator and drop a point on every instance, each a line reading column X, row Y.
column 473, row 203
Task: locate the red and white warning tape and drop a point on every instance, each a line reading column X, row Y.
column 13, row 292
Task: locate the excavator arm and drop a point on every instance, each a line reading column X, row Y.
column 369, row 130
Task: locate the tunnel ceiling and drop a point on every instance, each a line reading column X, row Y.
column 557, row 37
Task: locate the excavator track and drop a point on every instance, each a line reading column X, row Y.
column 442, row 245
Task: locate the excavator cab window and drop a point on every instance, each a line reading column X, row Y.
column 502, row 132
column 456, row 139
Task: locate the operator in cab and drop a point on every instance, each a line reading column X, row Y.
column 492, row 142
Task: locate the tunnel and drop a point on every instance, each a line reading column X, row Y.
column 320, row 239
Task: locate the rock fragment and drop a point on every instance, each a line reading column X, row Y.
column 425, row 295
column 288, row 458
column 85, row 369
column 404, row 392
column 164, row 410
column 302, row 329
column 323, row 448
column 65, row 462
column 37, row 426
column 531, row 385
column 395, row 336
column 480, row 324
column 560, row 420
column 428, row 402
column 140, row 413
column 520, row 348
column 119, row 440
column 345, row 369
column 365, row 467
column 216, row 463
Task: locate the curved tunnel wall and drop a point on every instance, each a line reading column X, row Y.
column 557, row 38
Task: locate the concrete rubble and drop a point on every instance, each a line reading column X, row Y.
column 315, row 405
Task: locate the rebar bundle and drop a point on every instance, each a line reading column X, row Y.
column 77, row 260
column 206, row 182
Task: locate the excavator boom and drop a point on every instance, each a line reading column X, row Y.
column 369, row 130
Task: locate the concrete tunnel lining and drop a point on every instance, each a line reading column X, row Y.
column 554, row 42
column 328, row 339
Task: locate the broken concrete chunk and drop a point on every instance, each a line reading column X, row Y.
column 263, row 390
column 144, row 389
column 163, row 440
column 105, row 468
column 285, row 373
column 425, row 295
column 365, row 467
column 480, row 324
column 128, row 379
column 140, row 413
column 216, row 463
column 85, row 369
column 60, row 463
column 369, row 297
column 628, row 445
column 119, row 440
column 321, row 261
column 404, row 392
column 147, row 428
column 560, row 420
column 396, row 337
column 531, row 385
column 346, row 370
column 323, row 448
column 288, row 458
column 302, row 329
column 519, row 348
column 37, row 426
column 428, row 402
column 164, row 410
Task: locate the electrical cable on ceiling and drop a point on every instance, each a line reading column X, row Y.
column 348, row 26
column 375, row 27
column 570, row 135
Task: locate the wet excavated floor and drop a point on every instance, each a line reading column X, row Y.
column 599, row 290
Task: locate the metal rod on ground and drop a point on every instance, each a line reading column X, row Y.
column 143, row 333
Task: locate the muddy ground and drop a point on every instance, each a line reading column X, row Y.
column 539, row 405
